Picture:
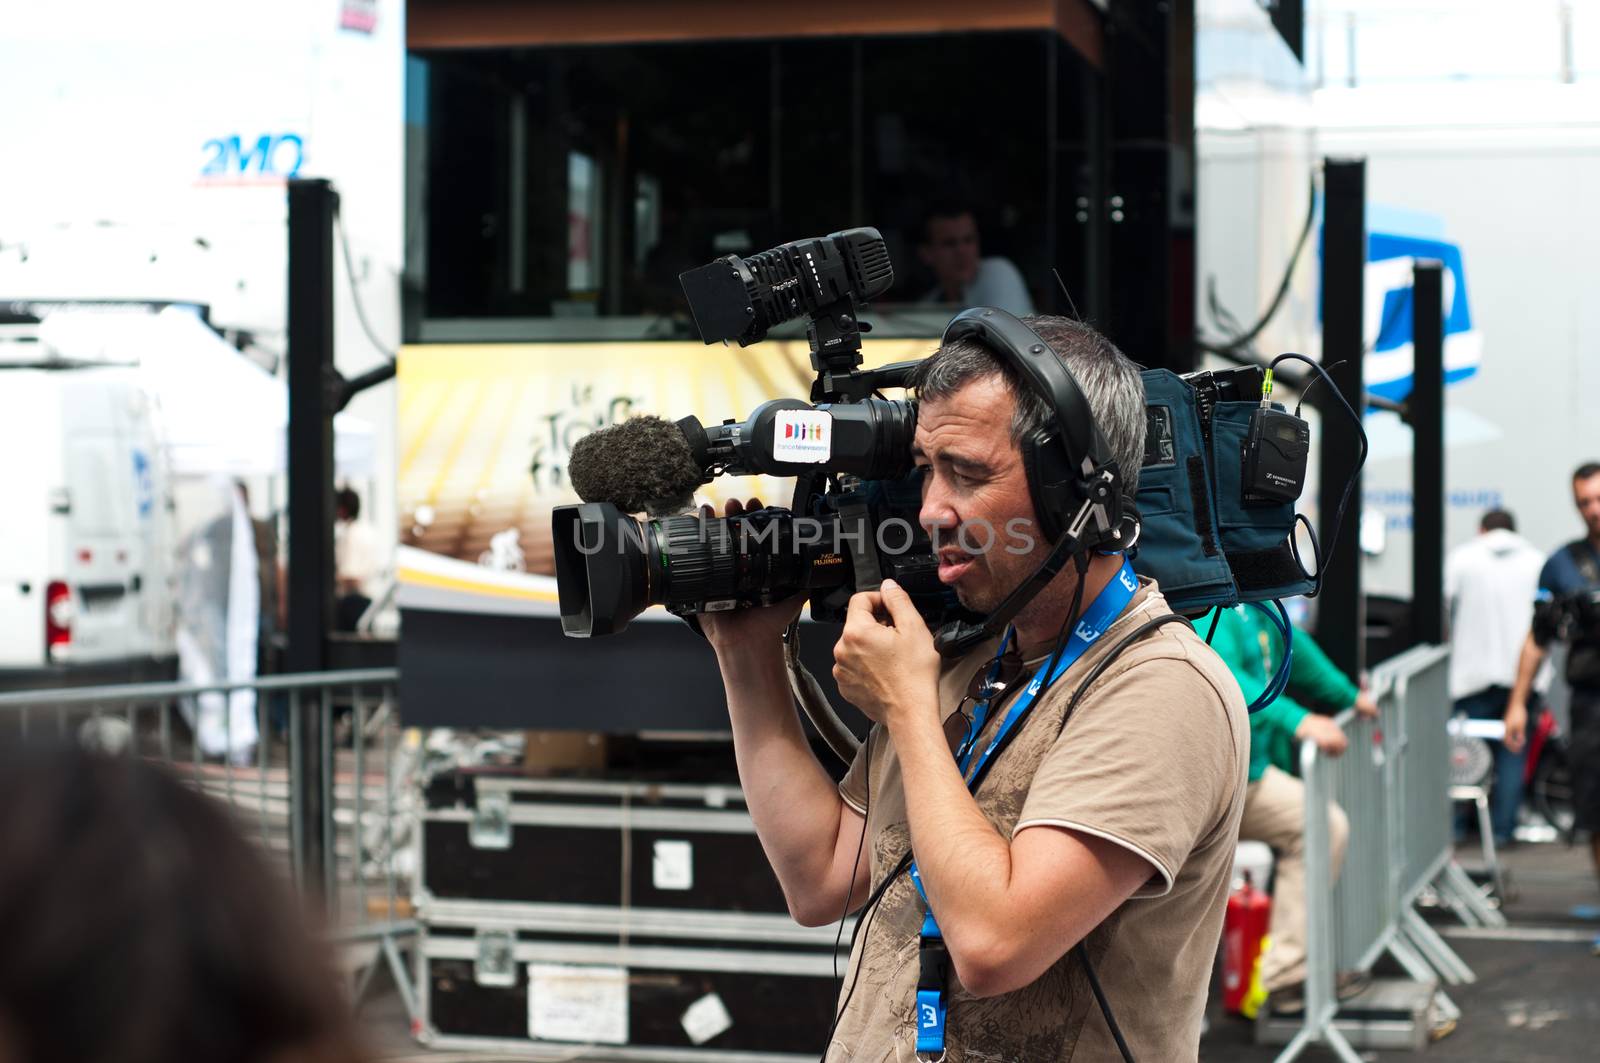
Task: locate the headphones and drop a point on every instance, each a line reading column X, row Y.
column 1073, row 479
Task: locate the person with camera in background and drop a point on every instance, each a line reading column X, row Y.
column 1095, row 855
column 1568, row 609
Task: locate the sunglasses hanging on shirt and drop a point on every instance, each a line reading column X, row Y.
column 995, row 676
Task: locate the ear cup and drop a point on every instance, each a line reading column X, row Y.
column 1051, row 482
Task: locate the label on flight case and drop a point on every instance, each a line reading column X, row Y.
column 672, row 865
column 582, row 1005
column 803, row 436
column 706, row 1018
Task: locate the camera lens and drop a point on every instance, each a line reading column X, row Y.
column 610, row 567
column 602, row 576
column 757, row 558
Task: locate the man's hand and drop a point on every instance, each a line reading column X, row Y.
column 741, row 628
column 885, row 662
column 1516, row 725
column 1365, row 705
column 1328, row 735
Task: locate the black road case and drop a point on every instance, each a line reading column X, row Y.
column 511, row 839
column 611, row 920
column 622, row 989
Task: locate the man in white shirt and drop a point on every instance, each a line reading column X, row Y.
column 965, row 278
column 1491, row 583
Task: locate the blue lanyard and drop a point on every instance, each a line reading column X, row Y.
column 1101, row 614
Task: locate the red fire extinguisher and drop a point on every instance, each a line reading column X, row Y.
column 1244, row 928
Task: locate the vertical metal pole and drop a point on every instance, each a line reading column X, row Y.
column 358, row 742
column 1427, row 453
column 262, row 735
column 517, row 199
column 330, row 832
column 297, row 816
column 1341, row 613
column 1350, row 50
column 312, row 204
column 388, row 806
column 1565, row 16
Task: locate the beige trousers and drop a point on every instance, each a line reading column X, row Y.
column 1275, row 813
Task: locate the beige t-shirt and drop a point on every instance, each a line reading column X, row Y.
column 1154, row 759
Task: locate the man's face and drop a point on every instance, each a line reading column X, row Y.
column 951, row 250
column 1586, row 495
column 975, row 500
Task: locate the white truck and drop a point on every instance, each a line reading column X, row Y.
column 86, row 538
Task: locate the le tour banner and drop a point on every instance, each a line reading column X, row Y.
column 485, row 430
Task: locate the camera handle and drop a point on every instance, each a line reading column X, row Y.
column 835, row 333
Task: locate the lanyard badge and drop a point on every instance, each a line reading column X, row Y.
column 933, row 973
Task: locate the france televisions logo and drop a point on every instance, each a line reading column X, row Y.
column 802, row 436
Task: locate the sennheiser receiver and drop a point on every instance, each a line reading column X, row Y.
column 1275, row 454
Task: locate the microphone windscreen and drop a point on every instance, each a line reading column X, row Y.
column 642, row 465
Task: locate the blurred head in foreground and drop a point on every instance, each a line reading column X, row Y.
column 138, row 926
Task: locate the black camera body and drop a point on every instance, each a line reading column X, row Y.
column 853, row 520
column 1571, row 618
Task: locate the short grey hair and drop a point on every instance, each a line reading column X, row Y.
column 1108, row 378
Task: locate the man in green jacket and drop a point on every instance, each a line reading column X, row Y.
column 1275, row 800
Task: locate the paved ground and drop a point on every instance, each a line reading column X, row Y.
column 1537, row 999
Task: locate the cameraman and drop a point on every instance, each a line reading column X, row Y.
column 1115, row 827
column 1572, row 572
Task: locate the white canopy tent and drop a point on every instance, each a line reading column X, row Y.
column 222, row 414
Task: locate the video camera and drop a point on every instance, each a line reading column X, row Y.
column 853, row 519
column 1571, row 618
column 1213, row 520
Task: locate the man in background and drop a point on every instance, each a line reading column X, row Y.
column 949, row 247
column 355, row 559
column 1564, row 612
column 1490, row 583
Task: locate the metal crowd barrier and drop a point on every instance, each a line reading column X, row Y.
column 364, row 888
column 1393, row 783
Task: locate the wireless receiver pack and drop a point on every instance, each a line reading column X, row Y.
column 1275, row 453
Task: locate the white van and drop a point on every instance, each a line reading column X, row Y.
column 86, row 524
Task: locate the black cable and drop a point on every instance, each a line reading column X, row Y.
column 1116, row 651
column 1216, row 615
column 863, row 930
column 1314, row 382
column 1244, row 339
column 1105, row 1008
column 355, row 293
column 850, row 892
column 1361, row 460
column 1316, row 547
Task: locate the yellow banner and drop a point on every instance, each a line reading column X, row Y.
column 485, row 431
